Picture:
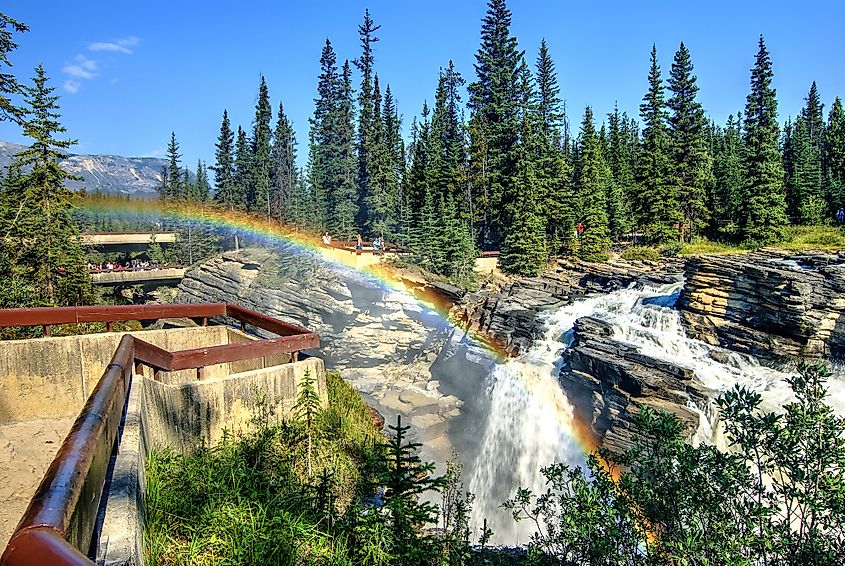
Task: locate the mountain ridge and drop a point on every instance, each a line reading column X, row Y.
column 138, row 177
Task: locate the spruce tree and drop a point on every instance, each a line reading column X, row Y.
column 284, row 166
column 47, row 251
column 242, row 170
column 224, row 167
column 524, row 244
column 834, row 154
column 494, row 100
column 726, row 198
column 175, row 189
column 202, row 189
column 802, row 161
column 552, row 170
column 367, row 117
column 691, row 159
column 261, row 161
column 657, row 205
column 321, row 150
column 8, row 83
column 619, row 159
column 406, row 478
column 380, row 201
column 763, row 217
column 419, row 178
column 394, row 148
column 593, row 179
column 344, row 185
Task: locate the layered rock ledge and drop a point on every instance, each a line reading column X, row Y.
column 506, row 310
column 770, row 304
column 609, row 381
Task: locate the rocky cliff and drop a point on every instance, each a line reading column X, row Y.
column 609, row 381
column 770, row 304
column 383, row 342
column 506, row 311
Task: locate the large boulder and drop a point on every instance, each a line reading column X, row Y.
column 768, row 304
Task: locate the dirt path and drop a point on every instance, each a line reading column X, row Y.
column 26, row 450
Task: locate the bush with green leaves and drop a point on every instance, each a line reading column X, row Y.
column 777, row 497
column 641, row 253
column 321, row 487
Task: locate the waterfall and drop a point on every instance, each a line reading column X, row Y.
column 530, row 423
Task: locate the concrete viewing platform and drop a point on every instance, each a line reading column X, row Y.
column 133, row 276
column 79, row 414
column 127, row 238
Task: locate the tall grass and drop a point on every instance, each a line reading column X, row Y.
column 248, row 500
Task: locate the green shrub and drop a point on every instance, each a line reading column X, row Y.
column 671, row 249
column 641, row 253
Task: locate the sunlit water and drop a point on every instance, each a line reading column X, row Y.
column 530, row 422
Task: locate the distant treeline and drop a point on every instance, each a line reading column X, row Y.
column 513, row 177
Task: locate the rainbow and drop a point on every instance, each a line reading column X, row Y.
column 271, row 232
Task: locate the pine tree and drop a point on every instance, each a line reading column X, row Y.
column 764, row 211
column 419, row 176
column 367, row 116
column 834, row 154
column 619, row 159
column 202, row 189
column 175, row 189
column 691, row 160
column 552, row 169
column 307, row 407
column 284, row 166
column 47, row 254
column 406, row 479
column 344, row 192
column 394, row 148
column 802, row 164
column 321, row 151
column 593, row 179
column 261, row 162
column 494, row 100
column 8, row 83
column 445, row 144
column 242, row 170
column 224, row 167
column 380, row 201
column 456, row 243
column 657, row 203
column 726, row 198
column 524, row 243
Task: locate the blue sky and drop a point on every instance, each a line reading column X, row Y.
column 129, row 72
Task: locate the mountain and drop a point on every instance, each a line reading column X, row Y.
column 139, row 177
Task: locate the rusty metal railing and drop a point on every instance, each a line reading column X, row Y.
column 58, row 525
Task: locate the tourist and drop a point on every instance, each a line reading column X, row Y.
column 327, row 240
column 359, row 246
column 840, row 216
column 580, row 230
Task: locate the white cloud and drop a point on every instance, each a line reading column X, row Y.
column 121, row 45
column 72, row 86
column 157, row 152
column 84, row 68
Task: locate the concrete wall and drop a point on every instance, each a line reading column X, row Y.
column 184, row 416
column 181, row 417
column 52, row 377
